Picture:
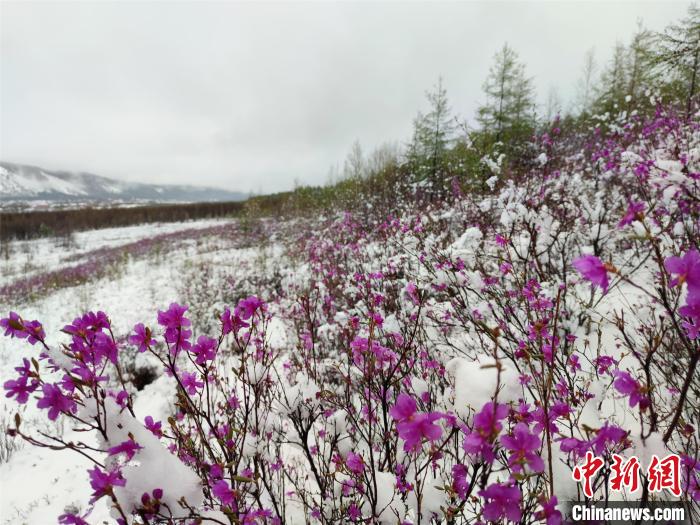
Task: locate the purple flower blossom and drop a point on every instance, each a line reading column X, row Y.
column 486, row 428
column 190, row 382
column 608, row 435
column 55, row 401
column 102, row 482
column 231, row 323
column 634, row 211
column 354, row 512
column 626, row 385
column 104, row 347
column 128, row 448
column 524, row 447
column 22, row 386
column 414, row 426
column 549, row 513
column 687, row 268
column 593, row 270
column 155, row 427
column 459, row 480
column 603, row 363
column 34, row 331
column 355, row 463
column 71, row 519
column 174, row 321
column 692, row 325
column 204, row 350
column 15, row 326
column 142, row 337
column 502, row 501
column 222, row 491
column 247, row 307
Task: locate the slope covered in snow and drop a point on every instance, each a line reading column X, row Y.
column 19, row 182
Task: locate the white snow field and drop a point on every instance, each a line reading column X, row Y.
column 37, row 485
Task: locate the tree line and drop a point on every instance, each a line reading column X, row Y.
column 653, row 67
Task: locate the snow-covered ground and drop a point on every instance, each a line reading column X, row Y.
column 37, row 484
column 26, row 258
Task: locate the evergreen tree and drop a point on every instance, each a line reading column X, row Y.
column 508, row 112
column 611, row 89
column 678, row 55
column 434, row 131
column 639, row 64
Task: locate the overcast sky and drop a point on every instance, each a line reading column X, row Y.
column 253, row 96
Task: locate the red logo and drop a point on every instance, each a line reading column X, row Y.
column 663, row 474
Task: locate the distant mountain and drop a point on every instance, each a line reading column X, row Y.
column 21, row 183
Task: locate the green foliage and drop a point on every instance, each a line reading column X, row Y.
column 433, row 133
column 677, row 57
column 509, row 112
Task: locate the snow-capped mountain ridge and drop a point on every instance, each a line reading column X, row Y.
column 19, row 182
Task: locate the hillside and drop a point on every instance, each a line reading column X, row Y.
column 21, row 183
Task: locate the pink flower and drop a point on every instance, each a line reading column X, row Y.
column 22, row 386
column 608, row 435
column 524, row 447
column 71, row 519
column 413, row 426
column 487, row 426
column 204, row 350
column 626, row 385
column 104, row 347
column 354, row 512
column 142, row 337
column 549, row 512
column 688, row 270
column 128, row 448
column 502, row 501
column 55, row 401
column 361, row 349
column 155, row 427
column 355, row 463
column 247, row 307
column 222, row 491
column 103, row 482
column 231, row 323
column 692, row 326
column 190, row 382
column 174, row 321
column 15, row 326
column 592, row 269
column 20, row 389
column 634, row 211
column 459, row 480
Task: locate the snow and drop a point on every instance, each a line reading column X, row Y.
column 129, row 298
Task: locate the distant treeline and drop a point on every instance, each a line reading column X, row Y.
column 32, row 224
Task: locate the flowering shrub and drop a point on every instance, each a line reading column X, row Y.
column 451, row 364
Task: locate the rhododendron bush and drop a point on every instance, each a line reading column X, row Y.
column 449, row 362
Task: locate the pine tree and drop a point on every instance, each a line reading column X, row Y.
column 611, row 89
column 678, row 55
column 639, row 69
column 433, row 131
column 508, row 111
